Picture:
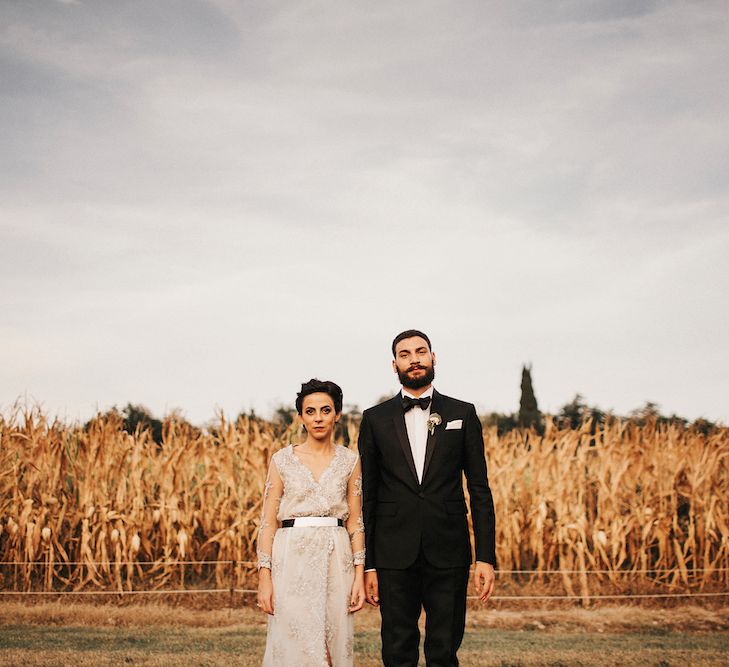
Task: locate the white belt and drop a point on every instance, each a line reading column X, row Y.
column 310, row 521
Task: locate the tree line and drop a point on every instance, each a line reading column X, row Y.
column 573, row 414
column 577, row 412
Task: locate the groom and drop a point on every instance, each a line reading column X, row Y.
column 415, row 449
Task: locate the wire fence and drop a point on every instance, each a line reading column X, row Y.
column 62, row 563
column 250, row 591
column 584, row 597
column 249, row 563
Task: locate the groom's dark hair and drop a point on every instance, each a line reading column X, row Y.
column 315, row 386
column 410, row 333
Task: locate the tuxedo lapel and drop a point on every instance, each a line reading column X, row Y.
column 435, row 406
column 402, row 436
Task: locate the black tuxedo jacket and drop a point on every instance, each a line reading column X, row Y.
column 401, row 515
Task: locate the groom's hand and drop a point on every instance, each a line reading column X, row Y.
column 484, row 577
column 372, row 590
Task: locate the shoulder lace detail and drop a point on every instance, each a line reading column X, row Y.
column 306, row 496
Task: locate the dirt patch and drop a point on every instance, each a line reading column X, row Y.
column 604, row 619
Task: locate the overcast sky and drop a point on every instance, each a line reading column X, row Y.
column 205, row 203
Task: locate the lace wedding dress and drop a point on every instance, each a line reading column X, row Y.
column 312, row 568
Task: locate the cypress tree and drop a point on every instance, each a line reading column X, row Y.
column 529, row 415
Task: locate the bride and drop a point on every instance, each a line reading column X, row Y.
column 311, row 541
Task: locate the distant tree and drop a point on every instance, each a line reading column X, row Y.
column 349, row 421
column 284, row 415
column 137, row 416
column 574, row 413
column 529, row 415
column 704, row 426
column 503, row 422
column 649, row 412
column 352, row 411
column 673, row 418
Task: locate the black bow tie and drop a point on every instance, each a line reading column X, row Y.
column 408, row 402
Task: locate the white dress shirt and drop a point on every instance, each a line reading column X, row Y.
column 416, row 422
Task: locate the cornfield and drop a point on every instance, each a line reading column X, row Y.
column 90, row 508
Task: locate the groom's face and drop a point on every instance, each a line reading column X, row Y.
column 414, row 363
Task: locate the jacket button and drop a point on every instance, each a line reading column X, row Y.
column 421, row 494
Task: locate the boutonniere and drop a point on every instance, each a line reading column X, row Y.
column 433, row 421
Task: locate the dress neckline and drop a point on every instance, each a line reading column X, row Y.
column 323, row 472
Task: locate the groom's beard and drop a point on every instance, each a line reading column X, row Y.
column 416, row 383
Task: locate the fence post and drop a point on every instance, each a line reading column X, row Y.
column 232, row 585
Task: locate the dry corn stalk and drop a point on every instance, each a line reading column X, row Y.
column 97, row 507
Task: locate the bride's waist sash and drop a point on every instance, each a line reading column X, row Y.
column 311, row 521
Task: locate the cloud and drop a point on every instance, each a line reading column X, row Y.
column 190, row 187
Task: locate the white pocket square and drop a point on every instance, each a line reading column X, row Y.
column 456, row 423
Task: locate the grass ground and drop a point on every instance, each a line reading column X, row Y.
column 156, row 635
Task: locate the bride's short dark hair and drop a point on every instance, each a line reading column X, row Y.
column 314, row 386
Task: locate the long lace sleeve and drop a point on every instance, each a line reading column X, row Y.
column 355, row 522
column 272, row 492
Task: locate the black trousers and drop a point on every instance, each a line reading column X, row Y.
column 403, row 593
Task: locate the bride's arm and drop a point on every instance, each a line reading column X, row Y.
column 272, row 493
column 355, row 528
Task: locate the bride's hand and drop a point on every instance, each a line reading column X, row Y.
column 357, row 599
column 265, row 591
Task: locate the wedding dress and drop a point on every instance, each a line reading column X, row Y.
column 312, row 568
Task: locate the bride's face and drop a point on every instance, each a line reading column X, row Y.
column 318, row 415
